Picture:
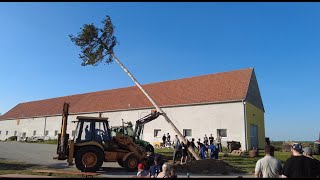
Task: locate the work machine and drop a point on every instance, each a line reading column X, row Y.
column 93, row 144
column 136, row 133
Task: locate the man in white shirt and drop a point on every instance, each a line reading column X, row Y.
column 268, row 166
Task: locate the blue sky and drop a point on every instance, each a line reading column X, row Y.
column 166, row 41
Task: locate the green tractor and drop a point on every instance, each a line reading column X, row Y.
column 135, row 133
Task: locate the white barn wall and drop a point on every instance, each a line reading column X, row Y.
column 202, row 119
column 9, row 126
column 52, row 124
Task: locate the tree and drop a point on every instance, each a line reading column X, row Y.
column 97, row 44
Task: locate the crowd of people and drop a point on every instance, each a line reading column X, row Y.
column 157, row 170
column 300, row 164
column 208, row 149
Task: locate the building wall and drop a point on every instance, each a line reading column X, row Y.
column 255, row 116
column 201, row 119
column 9, row 126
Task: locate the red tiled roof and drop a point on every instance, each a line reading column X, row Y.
column 220, row 87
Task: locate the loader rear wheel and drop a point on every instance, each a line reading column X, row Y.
column 89, row 159
column 131, row 163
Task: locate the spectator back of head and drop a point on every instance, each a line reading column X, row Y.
column 307, row 150
column 269, row 150
column 297, row 147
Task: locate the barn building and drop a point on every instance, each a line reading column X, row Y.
column 227, row 103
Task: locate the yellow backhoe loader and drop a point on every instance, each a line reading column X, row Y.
column 93, row 144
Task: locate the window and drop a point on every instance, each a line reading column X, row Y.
column 34, row 133
column 222, row 132
column 7, row 132
column 73, row 132
column 47, row 133
column 15, row 133
column 86, row 134
column 156, row 132
column 101, row 133
column 0, row 132
column 18, row 121
column 187, row 132
column 55, row 132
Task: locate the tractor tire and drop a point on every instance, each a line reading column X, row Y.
column 89, row 159
column 131, row 163
column 120, row 162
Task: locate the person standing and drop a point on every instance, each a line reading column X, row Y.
column 184, row 152
column 156, row 168
column 298, row 165
column 177, row 148
column 193, row 146
column 268, row 166
column 198, row 144
column 205, row 140
column 219, row 143
column 168, row 139
column 164, row 140
column 211, row 139
column 307, row 151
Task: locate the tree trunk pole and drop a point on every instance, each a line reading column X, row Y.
column 180, row 136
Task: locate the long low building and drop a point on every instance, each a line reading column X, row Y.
column 228, row 104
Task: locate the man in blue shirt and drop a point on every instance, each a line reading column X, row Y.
column 156, row 168
column 213, row 151
column 202, row 150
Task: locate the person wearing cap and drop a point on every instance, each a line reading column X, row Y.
column 156, row 168
column 307, row 151
column 141, row 171
column 268, row 166
column 298, row 165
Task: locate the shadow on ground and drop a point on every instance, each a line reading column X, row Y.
column 5, row 164
column 60, row 166
column 115, row 171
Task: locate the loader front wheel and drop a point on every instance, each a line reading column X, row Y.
column 89, row 159
column 131, row 163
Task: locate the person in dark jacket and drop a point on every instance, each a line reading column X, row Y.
column 164, row 140
column 156, row 168
column 298, row 165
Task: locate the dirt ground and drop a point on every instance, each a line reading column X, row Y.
column 207, row 166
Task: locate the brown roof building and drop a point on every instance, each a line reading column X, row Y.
column 227, row 104
column 213, row 88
